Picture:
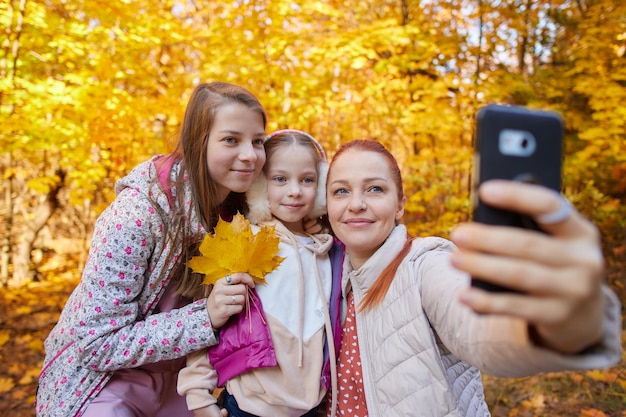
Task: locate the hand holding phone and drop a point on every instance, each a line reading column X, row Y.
column 519, row 144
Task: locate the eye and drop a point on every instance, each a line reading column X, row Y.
column 375, row 189
column 230, row 139
column 340, row 191
column 258, row 142
column 279, row 178
column 308, row 180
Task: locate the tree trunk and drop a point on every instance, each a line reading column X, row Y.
column 22, row 271
column 5, row 255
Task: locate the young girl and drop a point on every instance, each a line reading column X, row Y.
column 275, row 369
column 125, row 330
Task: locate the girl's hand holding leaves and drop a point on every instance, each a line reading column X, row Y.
column 232, row 248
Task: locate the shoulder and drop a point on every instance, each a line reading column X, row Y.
column 430, row 257
column 144, row 184
column 138, row 177
column 428, row 246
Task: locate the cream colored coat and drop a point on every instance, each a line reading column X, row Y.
column 417, row 346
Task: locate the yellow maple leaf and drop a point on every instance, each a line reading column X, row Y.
column 234, row 247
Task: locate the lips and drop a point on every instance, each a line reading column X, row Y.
column 244, row 171
column 358, row 222
column 293, row 206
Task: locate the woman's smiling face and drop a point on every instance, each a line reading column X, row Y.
column 364, row 203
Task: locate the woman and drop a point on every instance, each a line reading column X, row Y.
column 416, row 335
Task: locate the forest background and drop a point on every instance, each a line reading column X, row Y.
column 89, row 88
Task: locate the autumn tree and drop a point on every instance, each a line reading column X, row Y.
column 89, row 89
column 83, row 101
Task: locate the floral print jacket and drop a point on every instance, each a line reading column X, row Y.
column 109, row 322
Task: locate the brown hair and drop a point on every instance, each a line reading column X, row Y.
column 206, row 99
column 377, row 293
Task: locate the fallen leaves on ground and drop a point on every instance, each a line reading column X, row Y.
column 26, row 317
column 28, row 314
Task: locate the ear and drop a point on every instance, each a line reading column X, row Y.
column 258, row 202
column 319, row 207
column 400, row 210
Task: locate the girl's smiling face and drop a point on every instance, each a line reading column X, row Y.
column 291, row 174
column 235, row 152
column 363, row 201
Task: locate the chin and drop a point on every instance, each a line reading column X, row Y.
column 240, row 188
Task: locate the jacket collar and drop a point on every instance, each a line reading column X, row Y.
column 369, row 272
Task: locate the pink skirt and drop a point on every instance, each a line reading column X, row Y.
column 148, row 391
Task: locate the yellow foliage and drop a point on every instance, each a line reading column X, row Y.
column 6, row 384
column 4, row 337
column 36, row 345
column 43, row 185
column 23, row 310
column 603, row 376
column 610, row 377
column 537, row 402
column 30, row 376
column 234, row 247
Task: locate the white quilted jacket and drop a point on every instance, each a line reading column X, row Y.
column 418, row 344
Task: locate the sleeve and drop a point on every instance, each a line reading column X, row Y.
column 120, row 280
column 197, row 381
column 499, row 345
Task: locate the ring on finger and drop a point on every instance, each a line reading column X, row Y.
column 229, row 279
column 557, row 216
column 234, row 300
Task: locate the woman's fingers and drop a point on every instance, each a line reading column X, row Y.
column 528, row 244
column 557, row 274
column 567, row 324
column 540, row 203
column 526, row 276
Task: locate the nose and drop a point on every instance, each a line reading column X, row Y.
column 356, row 202
column 247, row 152
column 294, row 189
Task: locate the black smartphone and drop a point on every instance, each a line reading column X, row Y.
column 514, row 143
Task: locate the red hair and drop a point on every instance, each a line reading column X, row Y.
column 377, row 293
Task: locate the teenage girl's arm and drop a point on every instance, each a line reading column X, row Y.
column 118, row 287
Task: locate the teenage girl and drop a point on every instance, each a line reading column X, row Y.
column 129, row 324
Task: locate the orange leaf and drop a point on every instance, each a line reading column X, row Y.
column 591, row 412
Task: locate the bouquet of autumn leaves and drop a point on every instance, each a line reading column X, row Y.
column 234, row 247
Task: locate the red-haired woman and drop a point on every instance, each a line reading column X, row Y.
column 416, row 335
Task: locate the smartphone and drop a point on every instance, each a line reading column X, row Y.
column 514, row 143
